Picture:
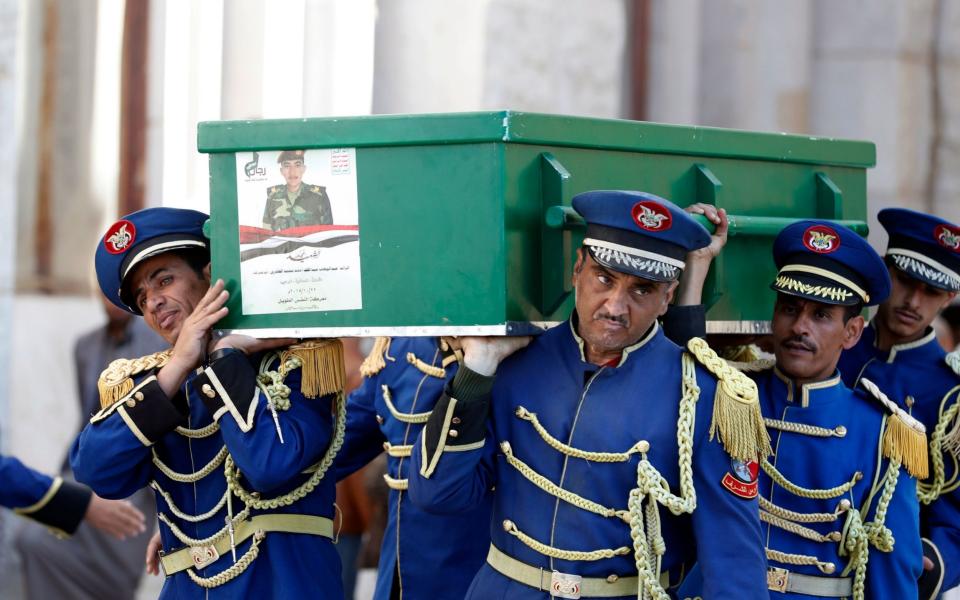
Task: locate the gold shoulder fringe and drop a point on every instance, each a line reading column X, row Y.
column 321, row 364
column 115, row 381
column 736, row 407
column 376, row 360
column 905, row 438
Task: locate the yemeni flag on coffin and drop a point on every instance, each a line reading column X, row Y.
column 310, row 268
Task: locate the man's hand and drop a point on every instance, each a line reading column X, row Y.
column 483, row 355
column 117, row 518
column 193, row 338
column 153, row 559
column 698, row 261
column 250, row 345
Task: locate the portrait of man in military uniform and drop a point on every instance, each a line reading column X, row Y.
column 295, row 203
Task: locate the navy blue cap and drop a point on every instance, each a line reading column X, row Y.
column 638, row 233
column 141, row 235
column 829, row 263
column 923, row 246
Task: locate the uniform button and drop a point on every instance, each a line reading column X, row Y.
column 386, row 445
column 131, row 402
column 138, row 396
column 858, row 476
column 612, row 578
column 379, row 419
column 840, row 430
column 455, row 420
column 909, row 401
column 845, row 504
column 208, row 391
column 829, row 568
column 453, row 433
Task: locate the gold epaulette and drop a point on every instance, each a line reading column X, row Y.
column 905, row 438
column 748, row 358
column 376, row 360
column 736, row 407
column 116, row 380
column 321, row 366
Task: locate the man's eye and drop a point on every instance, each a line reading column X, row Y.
column 603, row 279
column 166, row 280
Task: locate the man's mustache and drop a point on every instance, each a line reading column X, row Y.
column 802, row 341
column 619, row 319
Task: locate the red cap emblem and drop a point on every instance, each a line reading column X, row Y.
column 948, row 237
column 119, row 237
column 821, row 239
column 651, row 216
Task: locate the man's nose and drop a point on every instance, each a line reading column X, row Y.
column 616, row 302
column 154, row 301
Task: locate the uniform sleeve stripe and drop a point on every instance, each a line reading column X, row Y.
column 43, row 501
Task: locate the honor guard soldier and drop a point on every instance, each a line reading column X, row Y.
column 234, row 434
column 424, row 555
column 295, row 203
column 899, row 352
column 604, row 443
column 837, row 498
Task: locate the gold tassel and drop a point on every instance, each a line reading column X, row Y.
column 746, row 353
column 374, row 362
column 908, row 444
column 115, row 381
column 736, row 407
column 113, row 391
column 322, row 370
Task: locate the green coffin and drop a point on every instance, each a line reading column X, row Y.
column 451, row 224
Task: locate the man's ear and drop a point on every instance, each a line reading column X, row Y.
column 578, row 266
column 668, row 297
column 852, row 331
column 206, row 273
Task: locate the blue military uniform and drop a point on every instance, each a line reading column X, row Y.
column 840, row 514
column 423, row 555
column 919, row 377
column 243, row 514
column 58, row 504
column 606, row 478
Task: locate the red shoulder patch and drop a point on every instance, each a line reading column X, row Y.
column 741, row 480
column 120, row 237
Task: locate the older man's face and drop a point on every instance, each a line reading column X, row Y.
column 614, row 309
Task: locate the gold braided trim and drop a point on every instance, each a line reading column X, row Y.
column 829, row 275
column 215, row 462
column 186, row 516
column 836, row 294
column 115, row 381
column 653, row 491
column 555, row 490
column 736, row 407
column 423, row 367
column 905, row 438
column 233, row 570
column 252, row 499
column 603, row 457
column 203, row 432
column 375, row 361
column 398, row 451
column 797, row 529
column 804, row 429
column 940, row 446
column 574, row 555
column 189, row 541
column 800, row 559
column 821, row 494
column 415, row 418
column 798, row 517
column 953, row 361
column 321, row 366
column 399, row 485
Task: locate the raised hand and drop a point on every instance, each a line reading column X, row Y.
column 152, row 559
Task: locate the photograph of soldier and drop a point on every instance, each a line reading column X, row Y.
column 295, row 203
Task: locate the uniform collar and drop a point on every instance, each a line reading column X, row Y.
column 644, row 339
column 803, row 393
column 915, row 349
